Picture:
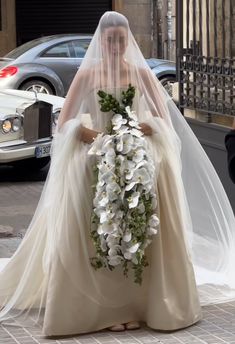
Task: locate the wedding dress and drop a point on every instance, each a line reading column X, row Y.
column 50, row 274
column 78, row 298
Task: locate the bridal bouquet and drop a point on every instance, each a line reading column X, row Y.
column 124, row 207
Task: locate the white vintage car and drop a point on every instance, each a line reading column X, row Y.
column 27, row 122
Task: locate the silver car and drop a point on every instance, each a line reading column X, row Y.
column 27, row 123
column 48, row 65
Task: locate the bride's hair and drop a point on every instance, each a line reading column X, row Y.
column 112, row 19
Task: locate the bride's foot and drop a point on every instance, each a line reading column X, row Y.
column 132, row 325
column 117, row 328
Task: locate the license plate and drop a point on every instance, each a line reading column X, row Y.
column 42, row 151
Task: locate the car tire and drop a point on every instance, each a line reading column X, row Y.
column 167, row 81
column 32, row 164
column 37, row 86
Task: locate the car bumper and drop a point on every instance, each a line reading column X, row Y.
column 23, row 151
column 8, row 83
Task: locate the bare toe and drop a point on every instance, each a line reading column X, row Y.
column 117, row 328
column 132, row 325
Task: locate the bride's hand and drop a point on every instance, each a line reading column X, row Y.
column 146, row 129
column 87, row 135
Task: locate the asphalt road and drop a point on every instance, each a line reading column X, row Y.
column 19, row 195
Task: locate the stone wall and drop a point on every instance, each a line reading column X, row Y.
column 153, row 25
column 7, row 34
column 139, row 15
column 147, row 18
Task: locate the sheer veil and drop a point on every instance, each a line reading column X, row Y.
column 211, row 224
column 112, row 62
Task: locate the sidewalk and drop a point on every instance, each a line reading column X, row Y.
column 217, row 327
column 17, row 205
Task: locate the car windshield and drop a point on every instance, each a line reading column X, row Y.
column 25, row 47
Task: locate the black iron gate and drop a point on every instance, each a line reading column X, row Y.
column 206, row 56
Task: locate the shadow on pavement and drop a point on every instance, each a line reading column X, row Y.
column 11, row 174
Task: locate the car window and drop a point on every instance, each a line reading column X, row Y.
column 80, row 47
column 60, row 50
column 25, row 47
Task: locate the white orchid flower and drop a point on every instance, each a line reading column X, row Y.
column 123, row 130
column 105, row 167
column 152, row 231
column 102, row 202
column 110, row 162
column 109, row 227
column 134, row 124
column 154, row 221
column 108, row 177
column 133, row 200
column 130, row 186
column 119, row 215
column 127, row 237
column 108, row 143
column 134, row 248
column 131, row 113
column 110, row 157
column 113, row 251
column 104, row 228
column 139, row 155
column 139, row 142
column 112, row 240
column 97, row 199
column 147, row 188
column 127, row 166
column 115, row 260
column 97, row 147
column 141, row 176
column 134, row 260
column 135, row 167
column 136, row 132
column 105, row 217
column 113, row 208
column 128, row 255
column 100, row 185
column 118, row 121
column 141, row 208
column 124, row 143
column 154, row 202
column 113, row 190
column 103, row 243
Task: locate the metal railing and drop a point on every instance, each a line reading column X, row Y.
column 205, row 56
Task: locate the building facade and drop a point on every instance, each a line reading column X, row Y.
column 24, row 20
column 151, row 21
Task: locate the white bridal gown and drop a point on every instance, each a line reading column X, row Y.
column 51, row 268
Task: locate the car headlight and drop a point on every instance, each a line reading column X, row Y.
column 6, row 126
column 16, row 124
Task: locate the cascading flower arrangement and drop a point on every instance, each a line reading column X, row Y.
column 124, row 207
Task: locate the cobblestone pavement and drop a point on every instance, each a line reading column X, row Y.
column 17, row 204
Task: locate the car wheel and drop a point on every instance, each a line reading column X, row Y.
column 37, row 86
column 32, row 164
column 167, row 82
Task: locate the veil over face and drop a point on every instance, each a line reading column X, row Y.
column 112, row 62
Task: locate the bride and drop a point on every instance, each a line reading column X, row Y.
column 50, row 276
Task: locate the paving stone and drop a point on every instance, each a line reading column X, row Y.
column 16, row 209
